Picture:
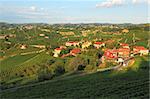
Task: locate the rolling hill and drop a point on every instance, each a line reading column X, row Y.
column 106, row 85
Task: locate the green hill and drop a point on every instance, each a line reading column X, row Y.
column 106, row 85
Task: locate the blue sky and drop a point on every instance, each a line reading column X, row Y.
column 74, row 11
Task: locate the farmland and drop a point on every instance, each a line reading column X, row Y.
column 98, row 85
column 74, row 61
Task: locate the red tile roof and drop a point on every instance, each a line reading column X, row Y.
column 123, row 49
column 110, row 53
column 139, row 48
column 99, row 43
column 75, row 51
column 58, row 48
column 124, row 44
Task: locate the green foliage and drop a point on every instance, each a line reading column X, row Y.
column 75, row 64
column 57, row 68
column 44, row 74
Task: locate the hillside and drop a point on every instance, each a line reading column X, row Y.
column 74, row 61
column 98, row 85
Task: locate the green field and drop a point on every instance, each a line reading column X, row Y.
column 98, row 85
column 17, row 60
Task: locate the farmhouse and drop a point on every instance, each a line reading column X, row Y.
column 41, row 34
column 71, row 43
column 125, row 31
column 46, row 37
column 57, row 52
column 140, row 50
column 86, row 45
column 123, row 52
column 110, row 53
column 29, row 27
column 124, row 45
column 99, row 44
column 45, row 30
column 3, row 36
column 22, row 46
column 67, row 33
column 75, row 51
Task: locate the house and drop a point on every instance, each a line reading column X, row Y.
column 125, row 31
column 29, row 27
column 140, row 50
column 86, row 45
column 99, row 44
column 75, row 51
column 120, row 60
column 46, row 37
column 42, row 35
column 124, row 52
column 124, row 45
column 63, row 47
column 22, row 46
column 57, row 52
column 110, row 54
column 3, row 36
column 71, row 43
column 67, row 33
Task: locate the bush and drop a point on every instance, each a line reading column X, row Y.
column 57, row 68
column 44, row 74
column 76, row 63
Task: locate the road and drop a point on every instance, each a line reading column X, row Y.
column 114, row 67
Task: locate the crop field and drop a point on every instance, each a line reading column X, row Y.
column 13, row 61
column 99, row 85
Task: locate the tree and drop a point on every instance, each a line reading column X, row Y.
column 57, row 68
column 44, row 74
column 76, row 63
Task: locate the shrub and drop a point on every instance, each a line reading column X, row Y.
column 76, row 63
column 44, row 74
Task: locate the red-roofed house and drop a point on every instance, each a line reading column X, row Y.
column 110, row 54
column 124, row 45
column 71, row 43
column 57, row 52
column 123, row 52
column 75, row 51
column 141, row 50
column 99, row 44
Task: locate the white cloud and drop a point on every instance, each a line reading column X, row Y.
column 140, row 1
column 33, row 8
column 111, row 3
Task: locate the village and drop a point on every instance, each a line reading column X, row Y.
column 119, row 55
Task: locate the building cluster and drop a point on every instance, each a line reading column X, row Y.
column 124, row 52
column 78, row 47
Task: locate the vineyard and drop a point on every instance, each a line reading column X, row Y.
column 26, row 65
column 105, row 85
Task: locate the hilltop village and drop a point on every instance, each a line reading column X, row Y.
column 43, row 51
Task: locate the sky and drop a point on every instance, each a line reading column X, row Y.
column 74, row 11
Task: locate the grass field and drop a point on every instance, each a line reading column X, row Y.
column 11, row 62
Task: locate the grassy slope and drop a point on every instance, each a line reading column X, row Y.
column 111, row 85
column 15, row 61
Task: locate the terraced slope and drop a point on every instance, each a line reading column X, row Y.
column 129, row 85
